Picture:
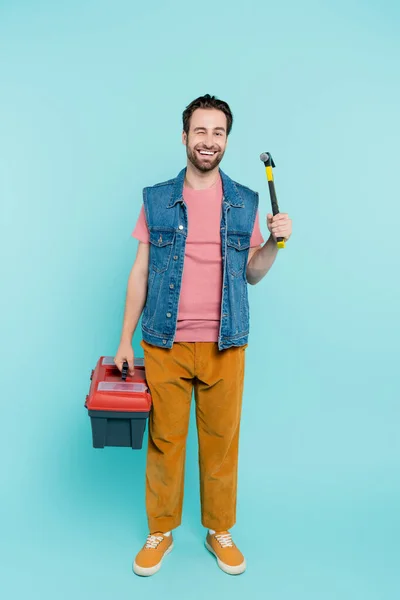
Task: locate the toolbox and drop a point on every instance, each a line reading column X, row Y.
column 118, row 405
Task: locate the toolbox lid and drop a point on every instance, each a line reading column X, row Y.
column 109, row 392
column 121, row 386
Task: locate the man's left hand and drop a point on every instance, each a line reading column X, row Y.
column 279, row 226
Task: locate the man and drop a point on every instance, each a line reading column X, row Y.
column 199, row 245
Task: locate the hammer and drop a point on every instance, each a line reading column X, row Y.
column 266, row 158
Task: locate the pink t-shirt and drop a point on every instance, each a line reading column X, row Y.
column 200, row 298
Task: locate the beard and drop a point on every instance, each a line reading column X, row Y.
column 205, row 163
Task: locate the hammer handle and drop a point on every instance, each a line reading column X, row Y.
column 274, row 201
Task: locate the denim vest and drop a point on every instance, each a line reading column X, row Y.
column 167, row 221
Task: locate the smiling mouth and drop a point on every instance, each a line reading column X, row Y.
column 206, row 153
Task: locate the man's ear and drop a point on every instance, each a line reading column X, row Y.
column 184, row 138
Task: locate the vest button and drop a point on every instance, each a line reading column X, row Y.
column 175, row 257
column 171, row 286
column 180, row 226
column 164, row 341
column 168, row 315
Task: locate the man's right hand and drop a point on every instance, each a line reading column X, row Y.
column 125, row 353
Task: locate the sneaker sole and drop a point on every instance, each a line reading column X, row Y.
column 147, row 571
column 223, row 566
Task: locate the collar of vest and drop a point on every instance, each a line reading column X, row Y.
column 230, row 191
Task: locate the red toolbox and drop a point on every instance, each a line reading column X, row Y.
column 118, row 405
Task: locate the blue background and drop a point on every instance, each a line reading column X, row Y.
column 91, row 99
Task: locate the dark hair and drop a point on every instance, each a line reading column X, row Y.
column 207, row 101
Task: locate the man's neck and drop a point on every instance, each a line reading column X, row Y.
column 198, row 180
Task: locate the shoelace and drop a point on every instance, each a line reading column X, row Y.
column 153, row 541
column 225, row 540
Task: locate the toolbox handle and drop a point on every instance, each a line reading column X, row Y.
column 125, row 368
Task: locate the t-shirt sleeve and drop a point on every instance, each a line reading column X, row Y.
column 256, row 237
column 141, row 231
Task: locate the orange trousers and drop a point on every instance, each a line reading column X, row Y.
column 217, row 377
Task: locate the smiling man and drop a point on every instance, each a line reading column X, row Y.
column 200, row 244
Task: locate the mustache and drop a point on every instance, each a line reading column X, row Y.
column 208, row 149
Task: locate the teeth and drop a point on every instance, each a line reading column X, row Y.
column 205, row 152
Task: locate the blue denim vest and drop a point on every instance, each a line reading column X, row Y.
column 167, row 221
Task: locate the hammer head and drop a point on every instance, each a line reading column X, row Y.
column 266, row 158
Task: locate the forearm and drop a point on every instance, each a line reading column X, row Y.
column 262, row 261
column 135, row 300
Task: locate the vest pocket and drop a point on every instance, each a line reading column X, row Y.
column 161, row 244
column 238, row 245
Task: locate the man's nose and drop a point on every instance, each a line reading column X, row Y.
column 209, row 140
